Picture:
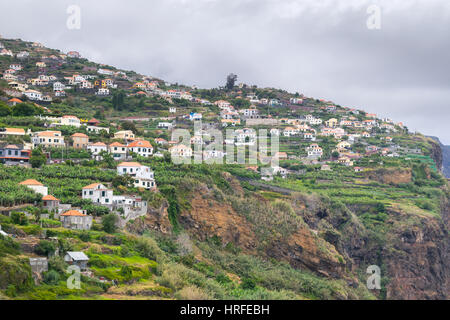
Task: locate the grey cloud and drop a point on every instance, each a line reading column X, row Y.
column 321, row 48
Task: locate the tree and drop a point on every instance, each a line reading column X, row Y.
column 24, row 110
column 109, row 223
column 108, row 159
column 231, row 80
column 129, row 125
column 37, row 158
column 118, row 100
column 5, row 110
column 335, row 154
column 19, row 218
column 45, row 248
column 123, row 180
column 127, row 273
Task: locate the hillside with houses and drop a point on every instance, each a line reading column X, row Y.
column 88, row 177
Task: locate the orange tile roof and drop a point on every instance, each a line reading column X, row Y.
column 129, row 164
column 80, row 135
column 140, row 143
column 48, row 133
column 31, row 182
column 73, row 213
column 91, row 186
column 99, row 144
column 15, row 100
column 15, row 130
column 116, row 144
column 11, row 146
column 50, row 197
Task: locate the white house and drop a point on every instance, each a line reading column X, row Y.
column 118, row 151
column 48, row 139
column 98, row 193
column 314, row 151
column 102, row 92
column 141, row 147
column 290, row 131
column 181, row 151
column 105, row 72
column 22, row 55
column 195, row 116
column 143, row 175
column 165, row 125
column 33, row 95
column 96, row 130
column 15, row 66
column 96, row 149
column 68, row 120
column 36, row 186
column 58, row 86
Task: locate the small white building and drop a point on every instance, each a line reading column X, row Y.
column 314, row 151
column 102, row 92
column 48, row 139
column 36, row 186
column 33, row 95
column 98, row 194
column 141, row 147
column 118, row 151
column 96, row 149
column 143, row 175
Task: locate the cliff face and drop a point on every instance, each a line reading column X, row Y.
column 441, row 155
column 437, row 154
column 417, row 261
column 411, row 248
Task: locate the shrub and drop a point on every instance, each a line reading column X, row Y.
column 109, row 223
column 248, row 284
column 57, row 264
column 84, row 236
column 19, row 218
column 45, row 248
column 192, row 293
column 51, row 277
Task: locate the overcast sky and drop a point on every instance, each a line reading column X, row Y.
column 321, row 48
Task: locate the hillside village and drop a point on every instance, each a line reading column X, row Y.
column 81, row 141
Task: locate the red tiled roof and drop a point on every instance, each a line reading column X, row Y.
column 73, row 213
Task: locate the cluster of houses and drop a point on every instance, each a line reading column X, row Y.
column 347, row 125
column 86, row 82
column 127, row 206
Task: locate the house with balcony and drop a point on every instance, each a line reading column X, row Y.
column 314, row 151
column 124, row 135
column 48, row 139
column 141, row 147
column 143, row 176
column 118, row 151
